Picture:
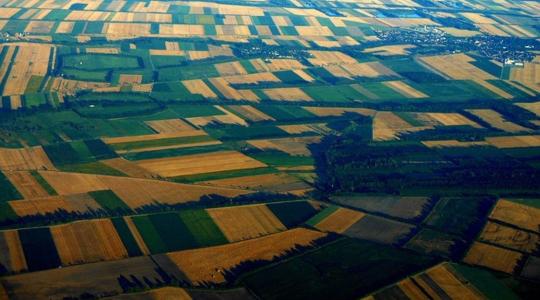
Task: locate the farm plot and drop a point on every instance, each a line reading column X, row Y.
column 198, row 86
column 318, row 128
column 287, row 94
column 208, row 264
column 453, row 143
column 323, row 58
column 292, row 146
column 26, row 184
column 245, row 222
column 517, row 214
column 444, row 119
column 96, row 278
column 293, row 213
column 531, row 270
column 401, row 207
column 273, row 182
column 497, row 120
column 509, row 237
column 433, row 242
column 390, row 50
column 533, row 107
column 127, row 167
column 200, row 163
column 529, row 75
column 222, row 116
column 133, row 191
column 249, row 113
column 517, row 141
column 461, row 67
column 405, row 89
column 388, row 126
column 340, row 220
column 7, row 189
column 492, row 257
column 11, row 253
column 25, row 159
column 76, row 203
column 88, row 241
column 338, row 111
column 379, row 229
column 31, row 60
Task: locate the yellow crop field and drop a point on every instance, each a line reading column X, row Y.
column 446, row 119
column 129, row 168
column 287, row 94
column 340, row 220
column 208, row 264
column 11, row 252
column 227, row 118
column 151, row 137
column 405, row 89
column 443, row 276
column 250, row 113
column 230, row 68
column 172, row 126
column 293, row 146
column 516, row 141
column 528, row 75
column 388, row 126
column 197, row 86
column 275, row 182
column 338, row 111
column 200, row 163
column 245, row 222
column 322, row 58
column 319, row 128
column 88, row 241
column 26, row 184
column 492, row 257
column 77, row 203
column 496, row 120
column 453, row 143
column 519, row 215
column 533, row 107
column 509, row 237
column 129, row 79
column 25, row 159
column 31, row 60
column 252, row 78
column 390, row 50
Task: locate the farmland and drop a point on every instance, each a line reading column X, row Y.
column 279, row 149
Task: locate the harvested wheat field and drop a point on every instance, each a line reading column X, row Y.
column 11, row 252
column 25, row 159
column 287, row 94
column 151, row 137
column 496, row 120
column 26, row 184
column 245, row 222
column 133, row 191
column 208, row 264
column 130, row 79
column 388, row 126
column 390, row 50
column 31, row 60
column 198, row 86
column 96, row 278
column 319, row 128
column 78, row 203
column 250, row 113
column 172, row 126
column 293, row 146
column 517, row 141
column 533, row 107
column 340, row 220
column 492, row 257
column 200, row 163
column 276, row 182
column 405, row 89
column 509, row 237
column 88, row 241
column 445, row 119
column 443, row 277
column 520, row 215
column 322, row 58
column 129, row 168
column 230, row 68
column 338, row 111
column 411, row 290
column 529, row 75
column 452, row 143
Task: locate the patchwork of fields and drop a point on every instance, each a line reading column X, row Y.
column 270, row 149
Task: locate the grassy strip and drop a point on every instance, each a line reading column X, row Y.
column 325, row 213
column 46, row 186
column 127, row 238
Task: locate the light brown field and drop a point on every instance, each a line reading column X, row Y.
column 517, row 141
column 172, row 126
column 252, row 78
column 497, row 120
column 230, row 93
column 39, row 27
column 390, row 50
column 96, row 278
column 322, row 58
column 444, row 278
column 528, row 75
column 227, row 118
column 411, row 290
column 369, row 69
column 452, row 143
column 276, row 182
column 31, row 60
column 103, row 50
column 25, row 159
column 197, row 86
column 80, row 203
column 230, row 68
column 200, row 163
column 319, row 128
column 287, row 94
column 492, row 257
column 127, row 167
column 340, row 220
column 208, row 264
column 293, row 146
column 533, row 107
column 407, row 22
column 388, row 126
column 115, row 31
column 11, row 251
column 150, row 137
column 70, row 87
column 516, row 214
column 134, row 192
column 509, row 237
column 128, row 79
column 250, row 113
column 87, row 241
column 459, row 66
column 245, row 222
column 460, row 32
column 163, row 293
column 405, row 89
column 4, row 65
column 26, row 184
column 338, row 111
column 446, row 119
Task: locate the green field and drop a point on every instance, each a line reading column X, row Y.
column 109, row 201
column 7, row 190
